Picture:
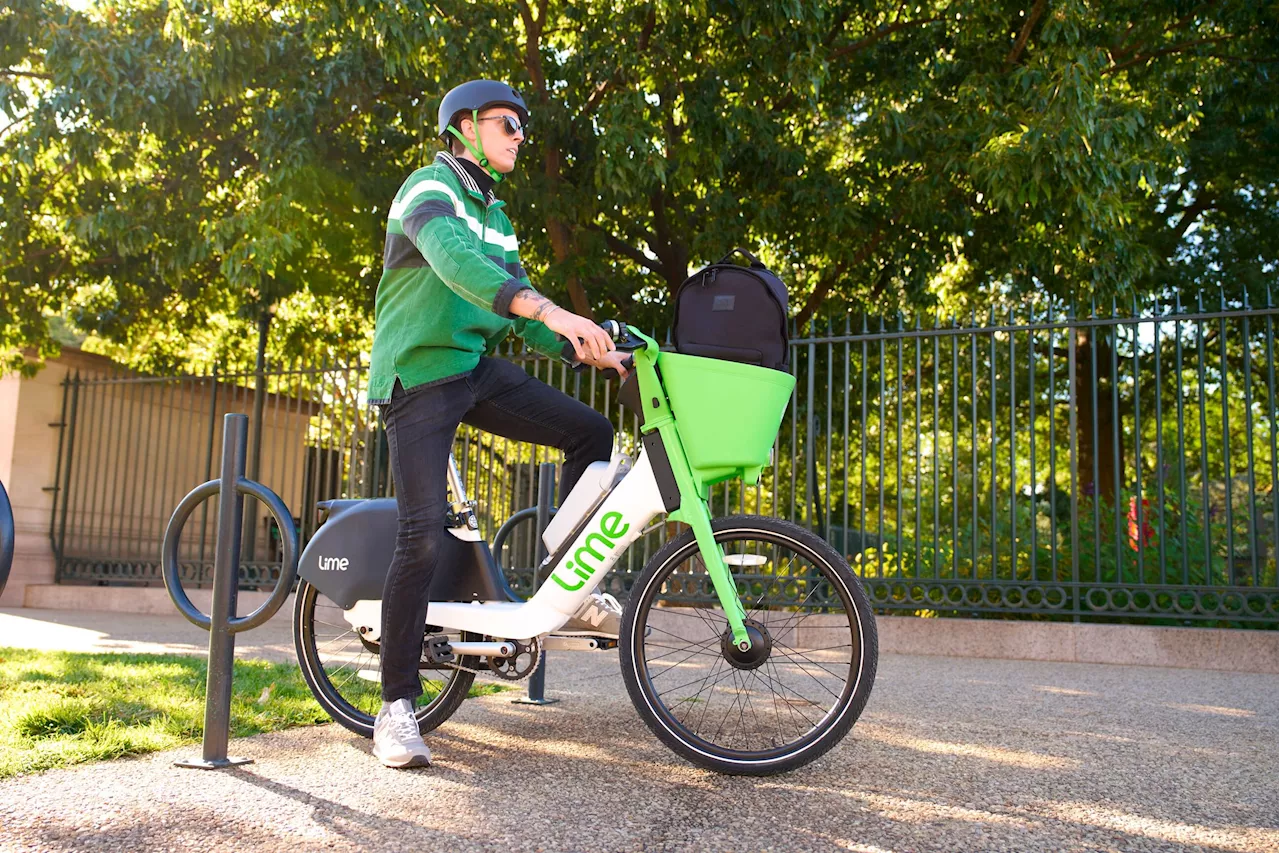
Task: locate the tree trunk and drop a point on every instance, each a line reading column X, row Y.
column 1109, row 475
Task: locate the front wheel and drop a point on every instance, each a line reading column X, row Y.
column 810, row 669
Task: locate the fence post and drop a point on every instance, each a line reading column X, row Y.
column 208, row 468
column 65, row 496
column 546, row 486
column 250, row 541
column 1072, row 426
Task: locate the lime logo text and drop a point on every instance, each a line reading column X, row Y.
column 593, row 548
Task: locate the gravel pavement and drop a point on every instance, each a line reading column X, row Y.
column 952, row 754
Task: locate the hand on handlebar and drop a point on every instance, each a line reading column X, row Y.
column 590, row 342
column 625, row 342
column 619, row 361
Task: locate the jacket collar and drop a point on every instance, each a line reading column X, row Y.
column 468, row 182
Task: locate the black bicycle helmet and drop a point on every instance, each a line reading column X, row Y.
column 475, row 96
column 472, row 97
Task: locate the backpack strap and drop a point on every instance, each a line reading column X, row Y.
column 755, row 262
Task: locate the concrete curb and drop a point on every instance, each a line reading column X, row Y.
column 1231, row 650
column 146, row 600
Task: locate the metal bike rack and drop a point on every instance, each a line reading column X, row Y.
column 546, row 487
column 223, row 623
column 7, row 536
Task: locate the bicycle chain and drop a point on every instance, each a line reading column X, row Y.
column 490, row 671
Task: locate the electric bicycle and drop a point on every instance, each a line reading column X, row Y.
column 748, row 645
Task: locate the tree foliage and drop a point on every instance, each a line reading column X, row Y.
column 171, row 171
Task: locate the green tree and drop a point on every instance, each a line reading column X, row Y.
column 171, row 167
column 168, row 169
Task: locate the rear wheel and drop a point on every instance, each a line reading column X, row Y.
column 342, row 669
column 797, row 691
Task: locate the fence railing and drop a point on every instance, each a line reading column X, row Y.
column 1099, row 465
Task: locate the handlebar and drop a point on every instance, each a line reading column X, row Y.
column 624, row 340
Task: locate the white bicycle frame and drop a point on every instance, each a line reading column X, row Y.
column 616, row 523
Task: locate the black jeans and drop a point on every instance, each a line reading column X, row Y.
column 498, row 397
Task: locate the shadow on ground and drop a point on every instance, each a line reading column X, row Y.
column 950, row 755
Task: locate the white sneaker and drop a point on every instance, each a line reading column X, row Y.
column 599, row 616
column 396, row 739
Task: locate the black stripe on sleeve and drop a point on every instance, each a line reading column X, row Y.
column 411, row 223
column 514, row 270
column 400, row 253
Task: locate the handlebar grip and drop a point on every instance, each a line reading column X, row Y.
column 569, row 357
column 616, row 331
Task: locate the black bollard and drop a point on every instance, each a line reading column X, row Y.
column 223, row 623
column 546, row 486
column 226, row 582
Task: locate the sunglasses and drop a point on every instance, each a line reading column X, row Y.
column 510, row 125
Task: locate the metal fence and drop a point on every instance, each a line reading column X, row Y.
column 1097, row 465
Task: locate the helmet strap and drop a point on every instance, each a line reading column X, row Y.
column 475, row 149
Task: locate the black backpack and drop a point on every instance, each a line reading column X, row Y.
column 734, row 313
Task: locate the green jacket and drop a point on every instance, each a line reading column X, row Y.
column 449, row 271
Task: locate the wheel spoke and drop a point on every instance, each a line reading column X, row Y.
column 695, row 653
column 693, row 701
column 775, row 679
column 800, row 666
column 815, row 678
column 687, row 684
column 777, row 717
column 795, row 620
column 706, row 708
column 729, row 710
column 324, row 647
column 678, row 649
column 677, row 636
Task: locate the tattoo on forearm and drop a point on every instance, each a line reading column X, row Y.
column 545, row 307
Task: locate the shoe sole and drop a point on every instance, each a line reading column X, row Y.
column 411, row 761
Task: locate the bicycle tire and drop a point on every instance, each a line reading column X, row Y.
column 666, row 723
column 435, row 711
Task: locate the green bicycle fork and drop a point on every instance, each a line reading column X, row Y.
column 693, row 509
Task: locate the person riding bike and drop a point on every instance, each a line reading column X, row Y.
column 452, row 288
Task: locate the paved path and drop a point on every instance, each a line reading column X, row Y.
column 93, row 631
column 951, row 754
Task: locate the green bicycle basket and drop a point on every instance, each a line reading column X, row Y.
column 727, row 414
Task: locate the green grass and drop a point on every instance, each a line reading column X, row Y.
column 60, row 708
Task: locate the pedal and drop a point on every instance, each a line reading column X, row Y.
column 437, row 649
